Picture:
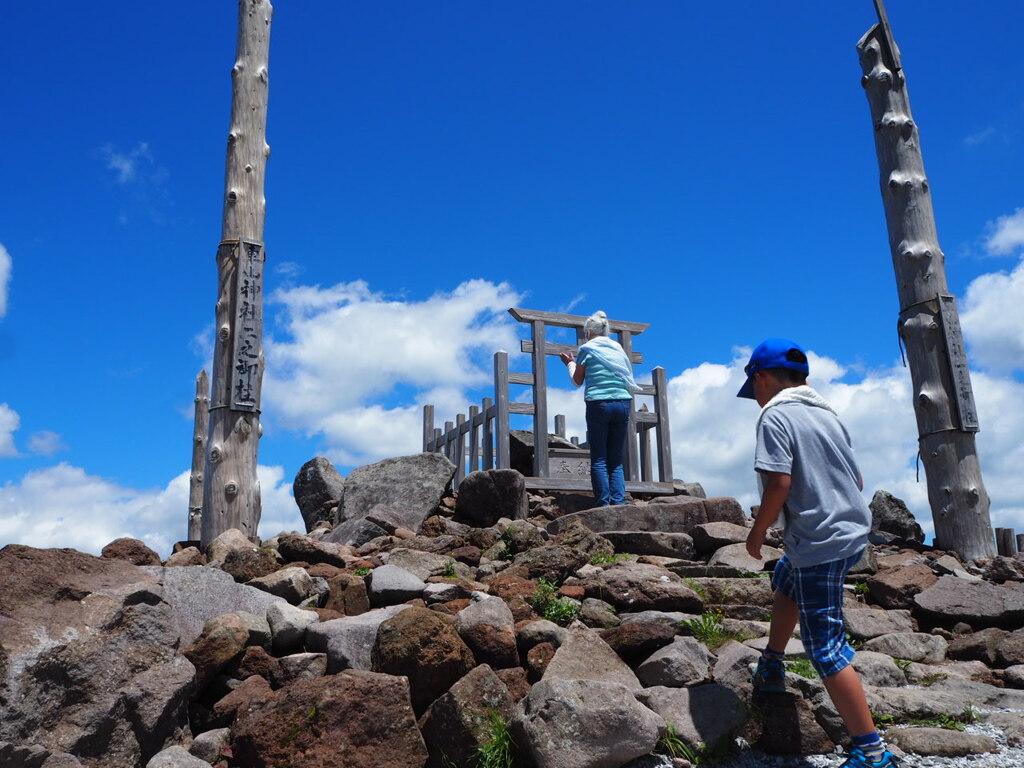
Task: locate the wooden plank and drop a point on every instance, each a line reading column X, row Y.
column 540, row 400
column 487, row 436
column 572, row 321
column 428, row 426
column 523, row 408
column 646, row 469
column 958, row 369
column 663, row 436
column 521, row 378
column 560, row 424
column 646, row 418
column 460, row 448
column 526, row 346
column 574, row 484
column 246, row 367
column 501, row 425
column 632, row 464
column 474, row 438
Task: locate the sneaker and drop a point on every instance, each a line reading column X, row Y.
column 770, row 676
column 858, row 759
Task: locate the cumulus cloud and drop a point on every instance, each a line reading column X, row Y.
column 5, row 278
column 64, row 506
column 46, row 443
column 9, row 423
column 1006, row 234
column 346, row 351
column 991, row 320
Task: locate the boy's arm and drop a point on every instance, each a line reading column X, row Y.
column 776, row 491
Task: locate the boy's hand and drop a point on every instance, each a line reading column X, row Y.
column 754, row 541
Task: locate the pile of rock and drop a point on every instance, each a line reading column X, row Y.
column 412, row 627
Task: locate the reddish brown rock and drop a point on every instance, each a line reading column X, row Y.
column 896, row 587
column 247, row 564
column 977, row 646
column 425, row 647
column 537, row 660
column 573, row 591
column 469, row 555
column 250, row 696
column 255, row 661
column 132, row 551
column 637, row 640
column 492, row 645
column 354, row 719
column 508, row 585
column 324, row 570
column 223, row 638
column 515, row 680
column 1011, row 649
column 347, row 595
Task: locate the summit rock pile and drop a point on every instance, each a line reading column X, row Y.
column 410, row 626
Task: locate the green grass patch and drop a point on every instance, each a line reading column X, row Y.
column 709, row 630
column 498, row 750
column 363, row 571
column 696, row 586
column 548, row 605
column 949, row 722
column 671, row 744
column 449, row 569
column 601, row 557
column 802, row 667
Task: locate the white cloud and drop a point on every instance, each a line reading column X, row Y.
column 5, row 278
column 9, row 422
column 46, row 443
column 64, row 506
column 992, row 319
column 1007, row 234
column 127, row 164
column 346, row 349
column 980, row 136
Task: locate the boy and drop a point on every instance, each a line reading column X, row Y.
column 807, row 471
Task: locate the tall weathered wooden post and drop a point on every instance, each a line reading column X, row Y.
column 928, row 323
column 231, row 491
column 195, row 483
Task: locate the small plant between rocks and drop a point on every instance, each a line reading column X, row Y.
column 498, row 749
column 709, row 630
column 672, row 745
column 802, row 667
column 561, row 610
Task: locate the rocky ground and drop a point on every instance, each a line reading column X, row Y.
column 411, row 627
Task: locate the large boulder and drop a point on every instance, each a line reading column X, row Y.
column 891, row 515
column 354, row 719
column 456, row 725
column 132, row 551
column 348, row 642
column 423, row 646
column 410, row 486
column 685, row 661
column 679, row 516
column 487, row 496
column 658, row 543
column 896, row 587
column 941, row 742
column 978, row 603
column 488, row 628
column 703, row 715
column 318, row 489
column 583, row 655
column 223, row 638
column 639, row 587
column 584, row 724
column 94, row 645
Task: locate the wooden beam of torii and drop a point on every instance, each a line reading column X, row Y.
column 929, row 326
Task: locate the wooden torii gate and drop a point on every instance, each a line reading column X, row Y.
column 557, row 468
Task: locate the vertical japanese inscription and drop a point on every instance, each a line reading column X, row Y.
column 958, row 364
column 245, row 360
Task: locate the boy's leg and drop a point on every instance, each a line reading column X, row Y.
column 770, row 675
column 847, row 694
column 785, row 615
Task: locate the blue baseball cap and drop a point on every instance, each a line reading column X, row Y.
column 773, row 353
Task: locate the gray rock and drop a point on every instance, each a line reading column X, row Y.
column 683, row 488
column 914, row 703
column 259, row 629
column 912, row 646
column 207, row 745
column 878, row 669
column 652, row 543
column 232, row 540
column 684, row 661
column 198, row 593
column 732, row 667
column 891, row 515
column 865, row 623
column 318, row 489
column 348, row 641
column 176, row 757
column 794, row 648
column 678, row 517
column 442, row 592
column 291, row 584
column 288, row 626
column 300, row 666
column 296, row 548
column 598, row 613
column 980, row 694
column 929, row 674
column 492, row 611
column 668, row 618
column 489, row 495
column 583, row 655
column 978, row 603
column 638, row 587
column 940, row 742
column 735, row 556
column 537, row 632
column 390, row 584
column 707, row 537
column 703, row 715
column 355, row 532
column 584, row 724
column 412, row 484
column 1014, row 676
column 425, row 564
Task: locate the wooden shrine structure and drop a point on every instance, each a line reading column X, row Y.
column 480, row 439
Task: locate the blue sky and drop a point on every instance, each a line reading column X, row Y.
column 709, row 169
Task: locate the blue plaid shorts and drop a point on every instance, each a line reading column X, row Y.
column 818, row 594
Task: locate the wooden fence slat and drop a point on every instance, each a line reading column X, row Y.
column 540, row 400
column 501, row 424
column 521, row 408
column 632, row 457
column 521, row 378
column 663, row 435
column 474, row 438
column 528, row 348
column 572, row 321
column 560, row 425
column 460, row 448
column 428, row 426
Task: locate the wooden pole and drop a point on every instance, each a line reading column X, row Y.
column 195, row 490
column 928, row 322
column 231, row 491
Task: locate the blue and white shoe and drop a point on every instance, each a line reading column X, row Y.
column 858, row 759
column 770, row 676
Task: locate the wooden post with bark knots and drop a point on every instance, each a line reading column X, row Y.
column 195, row 483
column 928, row 323
column 231, row 491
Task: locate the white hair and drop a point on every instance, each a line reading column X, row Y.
column 596, row 325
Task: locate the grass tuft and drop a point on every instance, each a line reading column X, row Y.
column 498, row 750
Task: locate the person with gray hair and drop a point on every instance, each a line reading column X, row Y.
column 602, row 364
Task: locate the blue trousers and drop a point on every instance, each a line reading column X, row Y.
column 606, row 436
